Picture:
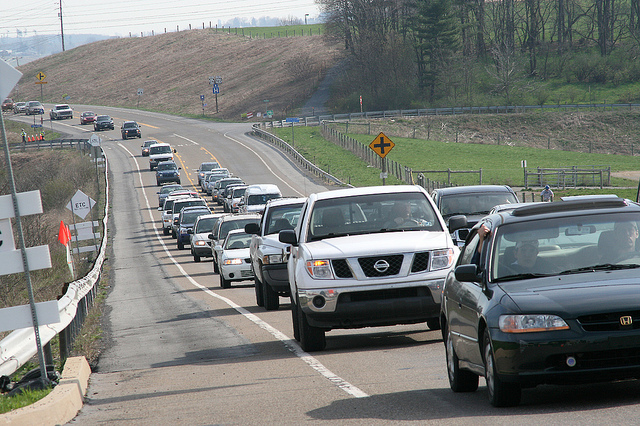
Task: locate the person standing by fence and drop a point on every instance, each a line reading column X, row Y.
column 547, row 194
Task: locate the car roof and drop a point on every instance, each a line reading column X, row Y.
column 285, row 201
column 472, row 189
column 538, row 211
column 167, row 162
column 367, row 190
column 241, row 216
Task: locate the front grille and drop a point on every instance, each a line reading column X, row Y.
column 386, row 294
column 341, row 268
column 609, row 321
column 420, row 262
column 626, row 357
column 368, row 265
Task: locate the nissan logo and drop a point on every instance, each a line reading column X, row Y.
column 381, row 265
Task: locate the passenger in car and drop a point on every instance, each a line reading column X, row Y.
column 400, row 215
column 620, row 243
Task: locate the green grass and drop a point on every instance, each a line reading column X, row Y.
column 281, row 31
column 500, row 164
column 26, row 398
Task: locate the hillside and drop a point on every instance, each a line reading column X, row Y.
column 173, row 69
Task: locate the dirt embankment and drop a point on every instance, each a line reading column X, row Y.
column 173, row 71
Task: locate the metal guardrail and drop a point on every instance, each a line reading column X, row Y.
column 316, row 120
column 20, row 345
column 288, row 149
column 53, row 144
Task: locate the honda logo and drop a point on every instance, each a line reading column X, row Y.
column 626, row 320
column 381, row 265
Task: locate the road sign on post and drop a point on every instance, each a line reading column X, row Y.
column 382, row 145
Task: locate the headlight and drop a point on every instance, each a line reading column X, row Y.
column 531, row 323
column 199, row 243
column 232, row 262
column 268, row 259
column 441, row 259
column 319, row 269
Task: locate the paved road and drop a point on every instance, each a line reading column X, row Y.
column 182, row 350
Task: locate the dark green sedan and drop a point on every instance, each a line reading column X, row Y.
column 551, row 295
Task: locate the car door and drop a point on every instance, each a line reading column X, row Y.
column 463, row 299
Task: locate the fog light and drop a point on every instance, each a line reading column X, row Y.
column 318, row 302
column 571, row 361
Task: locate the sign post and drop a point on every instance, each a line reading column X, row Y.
column 382, row 145
column 8, row 79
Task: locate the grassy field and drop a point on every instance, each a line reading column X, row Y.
column 272, row 32
column 501, row 164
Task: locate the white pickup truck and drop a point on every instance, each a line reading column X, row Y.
column 60, row 112
column 268, row 255
column 362, row 257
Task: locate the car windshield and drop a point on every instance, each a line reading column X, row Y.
column 208, row 166
column 257, row 199
column 238, row 241
column 170, row 188
column 229, row 225
column 103, row 118
column 149, row 143
column 62, row 107
column 284, row 217
column 205, row 225
column 567, row 245
column 179, row 205
column 161, row 149
column 130, row 125
column 237, row 193
column 167, row 166
column 191, row 215
column 365, row 214
column 474, row 203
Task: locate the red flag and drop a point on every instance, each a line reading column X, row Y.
column 64, row 235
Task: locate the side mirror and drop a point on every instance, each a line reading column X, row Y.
column 468, row 273
column 190, row 231
column 288, row 236
column 175, row 150
column 457, row 222
column 252, row 228
column 159, row 209
column 210, row 236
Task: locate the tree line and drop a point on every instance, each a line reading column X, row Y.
column 408, row 53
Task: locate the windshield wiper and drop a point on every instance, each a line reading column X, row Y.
column 601, row 267
column 521, row 277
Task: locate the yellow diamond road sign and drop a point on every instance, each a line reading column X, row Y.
column 41, row 76
column 381, row 145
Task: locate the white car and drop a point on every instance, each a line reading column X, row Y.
column 167, row 212
column 268, row 254
column 223, row 227
column 256, row 196
column 365, row 257
column 200, row 242
column 234, row 258
column 60, row 112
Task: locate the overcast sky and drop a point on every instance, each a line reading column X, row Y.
column 121, row 17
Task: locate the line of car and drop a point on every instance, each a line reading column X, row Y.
column 378, row 256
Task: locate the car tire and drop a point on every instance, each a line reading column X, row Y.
column 459, row 380
column 165, row 231
column 196, row 258
column 258, row 289
column 271, row 298
column 294, row 320
column 501, row 394
column 433, row 323
column 216, row 270
column 224, row 283
column 157, row 183
column 173, row 234
column 180, row 244
column 311, row 338
column 124, row 137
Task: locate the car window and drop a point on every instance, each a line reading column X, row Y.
column 162, row 149
column 565, row 245
column 474, row 203
column 284, row 217
column 191, row 216
column 365, row 214
column 167, row 166
column 229, row 225
column 205, row 225
column 179, row 205
column 257, row 199
column 238, row 241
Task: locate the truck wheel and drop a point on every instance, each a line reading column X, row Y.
column 224, row 283
column 258, row 288
column 196, row 258
column 294, row 320
column 180, row 244
column 311, row 338
column 433, row 323
column 271, row 298
column 165, row 231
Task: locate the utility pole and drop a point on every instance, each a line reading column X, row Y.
column 61, row 26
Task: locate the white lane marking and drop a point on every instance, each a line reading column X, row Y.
column 289, row 343
column 186, row 139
